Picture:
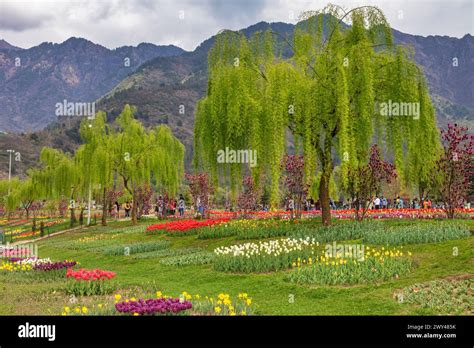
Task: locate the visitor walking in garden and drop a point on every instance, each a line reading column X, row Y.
column 181, row 205
column 159, row 206
column 377, row 203
column 291, row 206
column 117, row 208
column 127, row 208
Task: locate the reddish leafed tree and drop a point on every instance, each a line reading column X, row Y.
column 200, row 189
column 247, row 200
column 454, row 168
column 62, row 207
column 366, row 181
column 111, row 197
column 143, row 195
column 293, row 166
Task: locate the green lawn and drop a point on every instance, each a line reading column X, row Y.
column 269, row 292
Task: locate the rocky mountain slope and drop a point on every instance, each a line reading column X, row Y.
column 165, row 90
column 34, row 80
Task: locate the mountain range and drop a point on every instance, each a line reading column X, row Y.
column 164, row 83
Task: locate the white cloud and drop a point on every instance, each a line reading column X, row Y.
column 115, row 23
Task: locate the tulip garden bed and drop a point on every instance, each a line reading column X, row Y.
column 279, row 266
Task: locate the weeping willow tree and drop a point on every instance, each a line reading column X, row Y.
column 93, row 160
column 57, row 177
column 234, row 114
column 137, row 155
column 23, row 194
column 330, row 94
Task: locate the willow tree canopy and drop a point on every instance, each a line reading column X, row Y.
column 329, row 94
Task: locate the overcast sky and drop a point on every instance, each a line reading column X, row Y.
column 186, row 23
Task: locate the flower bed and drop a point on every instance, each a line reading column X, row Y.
column 54, row 265
column 377, row 265
column 200, row 258
column 153, row 306
column 418, row 234
column 183, row 226
column 160, row 304
column 255, row 229
column 85, row 274
column 34, row 269
column 89, row 282
column 168, row 253
column 135, row 248
column 265, row 256
column 15, row 267
column 390, row 213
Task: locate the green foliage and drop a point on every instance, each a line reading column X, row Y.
column 34, row 276
column 200, row 258
column 417, row 234
column 216, row 231
column 57, row 176
column 89, row 288
column 135, row 248
column 168, row 253
column 446, row 297
column 325, row 94
column 343, row 231
column 371, row 270
column 138, row 155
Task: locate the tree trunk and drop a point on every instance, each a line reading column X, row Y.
column 357, row 209
column 72, row 218
column 324, row 197
column 81, row 217
column 134, row 210
column 104, row 208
